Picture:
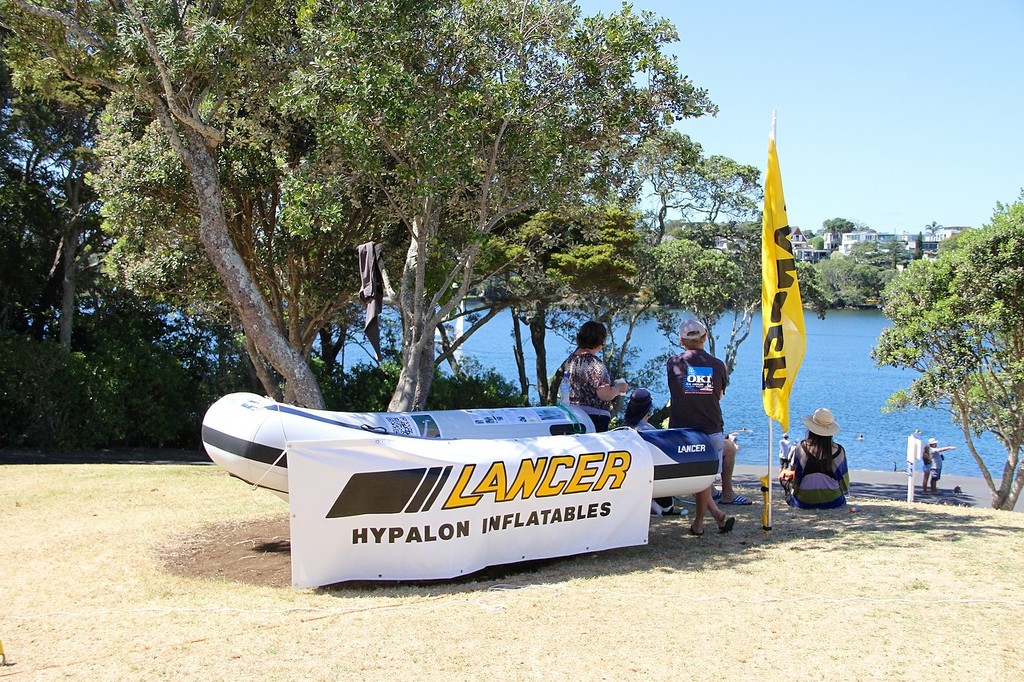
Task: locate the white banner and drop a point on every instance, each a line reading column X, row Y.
column 393, row 508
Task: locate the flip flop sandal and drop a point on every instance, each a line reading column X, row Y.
column 727, row 526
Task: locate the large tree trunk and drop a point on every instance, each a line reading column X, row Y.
column 69, row 285
column 423, row 311
column 71, row 236
column 300, row 384
column 538, row 332
column 517, row 350
column 1011, row 484
column 416, row 377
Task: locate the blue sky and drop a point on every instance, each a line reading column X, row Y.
column 891, row 114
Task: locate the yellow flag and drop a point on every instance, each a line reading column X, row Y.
column 782, row 312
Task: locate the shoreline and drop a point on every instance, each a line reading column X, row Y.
column 864, row 483
column 891, row 485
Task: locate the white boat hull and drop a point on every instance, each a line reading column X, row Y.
column 246, row 434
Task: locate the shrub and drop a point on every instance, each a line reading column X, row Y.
column 44, row 394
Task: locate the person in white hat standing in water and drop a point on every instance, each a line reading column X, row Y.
column 819, row 472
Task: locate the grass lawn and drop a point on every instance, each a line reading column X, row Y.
column 149, row 572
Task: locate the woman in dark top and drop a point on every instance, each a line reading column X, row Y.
column 590, row 385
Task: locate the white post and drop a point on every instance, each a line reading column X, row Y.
column 913, row 452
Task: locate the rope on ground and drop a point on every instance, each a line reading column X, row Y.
column 823, row 599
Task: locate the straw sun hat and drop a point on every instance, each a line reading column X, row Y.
column 822, row 422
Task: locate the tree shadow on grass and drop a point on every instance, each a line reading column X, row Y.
column 897, row 493
column 259, row 552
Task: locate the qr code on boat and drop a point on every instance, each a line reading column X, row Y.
column 400, row 426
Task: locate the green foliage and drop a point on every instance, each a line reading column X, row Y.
column 814, row 293
column 139, row 391
column 45, row 207
column 712, row 270
column 475, row 387
column 45, row 399
column 959, row 323
column 141, row 377
column 296, row 235
column 466, row 121
column 839, row 225
column 702, row 190
column 364, row 387
column 696, row 278
column 30, row 232
column 859, row 278
column 186, row 80
column 368, row 388
column 852, row 282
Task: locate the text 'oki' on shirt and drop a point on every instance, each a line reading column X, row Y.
column 699, row 380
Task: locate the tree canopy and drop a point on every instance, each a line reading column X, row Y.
column 958, row 322
column 465, row 113
column 183, row 68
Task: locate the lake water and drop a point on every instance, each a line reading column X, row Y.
column 837, row 372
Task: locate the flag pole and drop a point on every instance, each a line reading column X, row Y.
column 782, row 318
column 766, row 483
column 766, row 516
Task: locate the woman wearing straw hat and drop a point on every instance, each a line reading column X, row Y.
column 819, row 473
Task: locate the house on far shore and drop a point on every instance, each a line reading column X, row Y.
column 929, row 244
column 797, row 238
column 811, row 255
column 852, row 239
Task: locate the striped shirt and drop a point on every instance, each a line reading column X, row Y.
column 814, row 486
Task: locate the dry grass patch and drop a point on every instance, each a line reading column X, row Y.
column 157, row 572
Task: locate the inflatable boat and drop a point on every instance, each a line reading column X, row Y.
column 248, row 435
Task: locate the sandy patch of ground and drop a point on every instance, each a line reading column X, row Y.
column 253, row 552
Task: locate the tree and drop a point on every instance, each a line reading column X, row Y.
column 49, row 218
column 181, row 64
column 564, row 265
column 702, row 190
column 959, row 323
column 466, row 114
column 839, row 226
column 859, row 278
column 665, row 162
column 850, row 282
column 717, row 198
column 880, row 255
column 295, row 233
column 709, row 283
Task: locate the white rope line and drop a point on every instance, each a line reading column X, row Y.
column 770, row 600
column 436, row 601
column 284, row 436
column 167, row 610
